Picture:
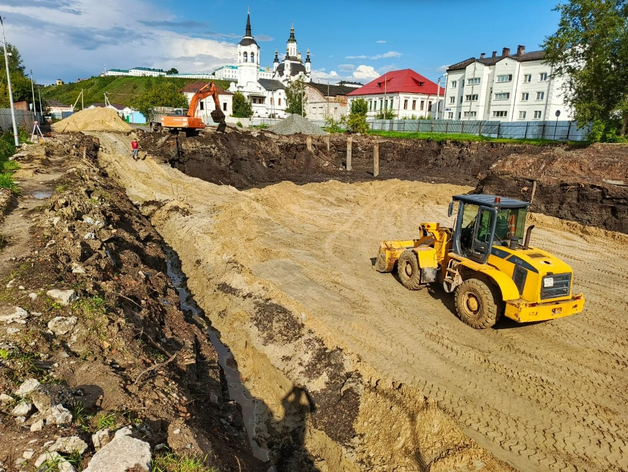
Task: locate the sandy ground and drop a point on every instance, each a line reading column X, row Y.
column 546, row 396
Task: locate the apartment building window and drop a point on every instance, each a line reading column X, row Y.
column 429, row 106
column 500, row 113
column 452, row 99
column 540, row 95
column 422, row 105
column 473, row 81
column 450, row 115
column 537, row 115
column 381, row 104
column 522, row 115
column 470, row 114
column 525, row 96
column 504, row 78
column 471, row 98
column 543, row 76
column 279, row 101
column 502, row 96
column 405, row 104
column 454, row 83
column 527, row 78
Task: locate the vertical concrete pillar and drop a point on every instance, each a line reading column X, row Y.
column 349, row 150
column 376, row 159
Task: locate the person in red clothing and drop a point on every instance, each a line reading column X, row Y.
column 135, row 147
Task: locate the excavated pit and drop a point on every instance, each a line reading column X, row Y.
column 352, row 371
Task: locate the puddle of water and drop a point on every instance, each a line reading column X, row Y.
column 42, row 194
column 237, row 391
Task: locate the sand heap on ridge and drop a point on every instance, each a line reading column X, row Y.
column 296, row 124
column 92, row 119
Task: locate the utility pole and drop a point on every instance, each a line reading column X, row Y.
column 6, row 61
column 33, row 92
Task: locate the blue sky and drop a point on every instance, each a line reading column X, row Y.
column 355, row 41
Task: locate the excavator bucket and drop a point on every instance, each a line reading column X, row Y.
column 219, row 117
column 389, row 252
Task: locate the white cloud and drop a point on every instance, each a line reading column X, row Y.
column 386, row 55
column 363, row 72
column 81, row 36
column 381, row 41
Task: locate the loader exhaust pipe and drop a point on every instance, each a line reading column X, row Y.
column 526, row 242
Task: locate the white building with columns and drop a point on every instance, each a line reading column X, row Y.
column 517, row 87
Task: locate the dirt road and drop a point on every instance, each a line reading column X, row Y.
column 547, row 396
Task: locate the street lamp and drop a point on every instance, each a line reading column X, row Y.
column 6, row 61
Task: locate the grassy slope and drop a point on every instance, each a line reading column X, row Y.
column 120, row 90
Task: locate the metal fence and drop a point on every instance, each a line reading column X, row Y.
column 24, row 119
column 551, row 130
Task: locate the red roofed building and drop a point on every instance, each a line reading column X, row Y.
column 404, row 92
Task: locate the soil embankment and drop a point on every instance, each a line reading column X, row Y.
column 587, row 185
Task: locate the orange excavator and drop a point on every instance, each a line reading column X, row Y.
column 191, row 123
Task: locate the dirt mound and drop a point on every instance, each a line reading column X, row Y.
column 297, row 124
column 92, row 119
column 586, row 185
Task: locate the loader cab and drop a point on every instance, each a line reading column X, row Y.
column 484, row 221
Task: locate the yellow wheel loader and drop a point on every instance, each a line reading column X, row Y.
column 487, row 262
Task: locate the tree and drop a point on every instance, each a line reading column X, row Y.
column 296, row 98
column 161, row 93
column 590, row 49
column 20, row 83
column 242, row 108
column 172, row 71
column 357, row 116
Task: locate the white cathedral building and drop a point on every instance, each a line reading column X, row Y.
column 265, row 88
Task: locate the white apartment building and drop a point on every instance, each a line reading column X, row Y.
column 517, row 87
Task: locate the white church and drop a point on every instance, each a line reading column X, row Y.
column 265, row 88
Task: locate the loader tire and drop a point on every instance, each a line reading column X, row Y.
column 408, row 270
column 477, row 304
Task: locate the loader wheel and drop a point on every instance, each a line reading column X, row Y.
column 477, row 304
column 408, row 270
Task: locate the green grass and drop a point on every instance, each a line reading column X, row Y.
column 120, row 90
column 106, row 420
column 169, row 462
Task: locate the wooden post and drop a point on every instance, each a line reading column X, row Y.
column 84, row 152
column 327, row 141
column 349, row 142
column 533, row 191
column 376, row 159
column 308, row 143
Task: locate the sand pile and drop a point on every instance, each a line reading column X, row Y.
column 296, row 124
column 92, row 119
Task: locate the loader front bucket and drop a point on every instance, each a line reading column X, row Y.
column 389, row 252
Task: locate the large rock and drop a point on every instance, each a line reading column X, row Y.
column 69, row 445
column 120, row 455
column 27, row 387
column 62, row 324
column 58, row 415
column 19, row 315
column 64, row 297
